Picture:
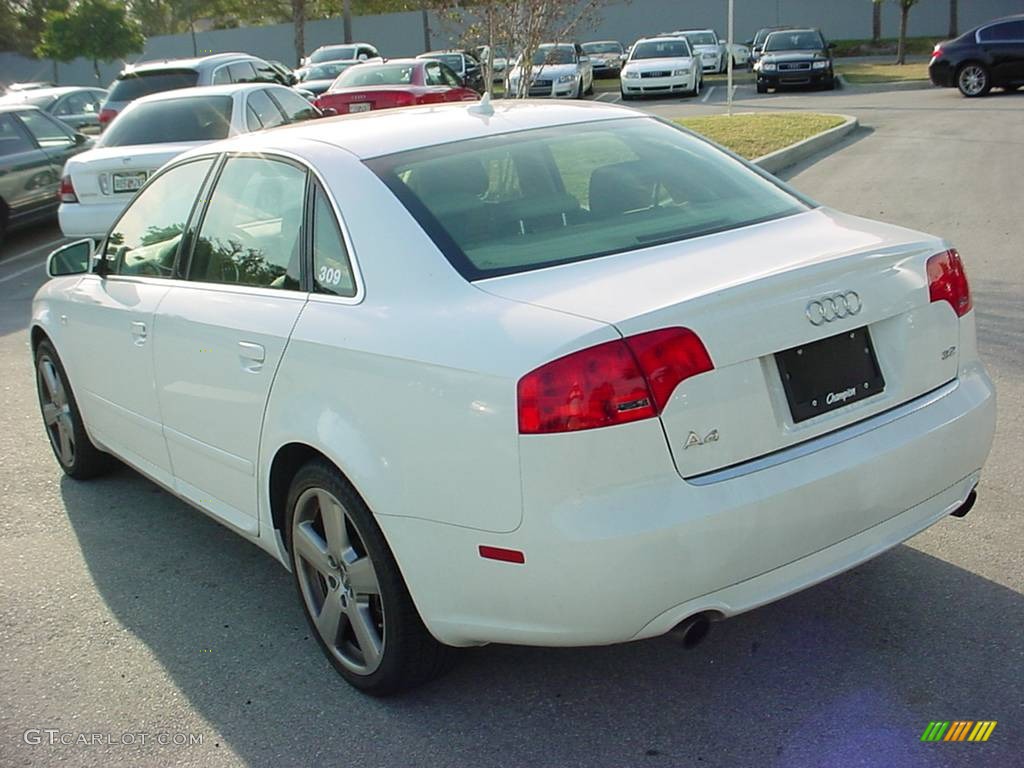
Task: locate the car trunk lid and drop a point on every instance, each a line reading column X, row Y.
column 748, row 294
column 106, row 174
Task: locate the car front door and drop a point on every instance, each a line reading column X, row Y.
column 55, row 139
column 221, row 333
column 110, row 315
column 25, row 173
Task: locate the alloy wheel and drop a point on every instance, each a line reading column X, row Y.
column 338, row 581
column 973, row 79
column 56, row 411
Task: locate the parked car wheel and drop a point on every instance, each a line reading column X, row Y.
column 762, row 88
column 352, row 592
column 73, row 449
column 973, row 80
column 626, row 96
column 830, row 84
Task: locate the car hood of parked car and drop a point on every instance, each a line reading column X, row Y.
column 547, row 71
column 657, row 65
column 778, row 57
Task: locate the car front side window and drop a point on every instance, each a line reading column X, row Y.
column 251, row 233
column 48, row 132
column 145, row 240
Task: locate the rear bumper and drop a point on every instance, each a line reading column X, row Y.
column 77, row 220
column 618, row 548
column 942, row 74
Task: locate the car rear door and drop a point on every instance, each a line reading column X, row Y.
column 1004, row 43
column 26, row 183
column 111, row 316
column 221, row 333
column 55, row 139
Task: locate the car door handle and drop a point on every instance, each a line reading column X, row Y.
column 139, row 333
column 252, row 356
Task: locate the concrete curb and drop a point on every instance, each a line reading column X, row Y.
column 787, row 156
column 897, row 85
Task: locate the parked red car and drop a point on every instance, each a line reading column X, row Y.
column 394, row 83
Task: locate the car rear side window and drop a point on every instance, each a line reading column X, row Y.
column 266, row 111
column 296, row 108
column 191, row 118
column 145, row 240
column 1008, row 31
column 48, row 133
column 13, row 140
column 138, row 84
column 251, row 233
column 520, row 201
column 332, row 270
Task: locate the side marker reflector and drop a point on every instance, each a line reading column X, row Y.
column 504, row 555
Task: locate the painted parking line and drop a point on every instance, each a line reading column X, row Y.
column 23, row 271
column 32, row 251
column 707, row 94
column 611, row 98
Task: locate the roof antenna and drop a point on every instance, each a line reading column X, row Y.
column 483, row 107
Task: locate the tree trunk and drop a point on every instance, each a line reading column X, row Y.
column 346, row 13
column 299, row 27
column 876, row 22
column 954, row 21
column 901, row 51
column 426, row 30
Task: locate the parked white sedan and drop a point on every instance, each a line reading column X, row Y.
column 562, row 70
column 660, row 66
column 551, row 374
column 98, row 184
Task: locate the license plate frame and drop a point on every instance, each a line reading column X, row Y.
column 828, row 374
column 360, row 106
column 128, row 182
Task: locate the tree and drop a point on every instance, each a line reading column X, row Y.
column 299, row 25
column 954, row 21
column 100, row 30
column 901, row 50
column 876, row 21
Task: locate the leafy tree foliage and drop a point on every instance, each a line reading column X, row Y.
column 100, row 30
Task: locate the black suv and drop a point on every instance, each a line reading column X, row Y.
column 988, row 56
column 795, row 57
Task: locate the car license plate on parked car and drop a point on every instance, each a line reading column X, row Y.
column 364, row 107
column 129, row 182
column 830, row 373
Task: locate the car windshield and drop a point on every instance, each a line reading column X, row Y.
column 552, row 54
column 530, row 199
column 793, row 41
column 761, row 36
column 372, row 74
column 326, row 71
column 660, row 49
column 135, row 85
column 701, row 38
column 333, row 53
column 195, row 118
column 602, row 47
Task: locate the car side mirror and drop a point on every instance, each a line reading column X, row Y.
column 363, row 57
column 80, row 139
column 71, row 259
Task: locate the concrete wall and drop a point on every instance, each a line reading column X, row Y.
column 400, row 34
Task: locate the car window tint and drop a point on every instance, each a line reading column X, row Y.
column 332, row 270
column 375, row 74
column 265, row 109
column 296, row 108
column 12, row 138
column 242, row 72
column 252, row 120
column 48, row 133
column 1009, row 30
column 432, row 73
column 191, row 118
column 603, row 188
column 221, row 76
column 251, row 233
column 265, row 73
column 136, row 85
column 144, row 241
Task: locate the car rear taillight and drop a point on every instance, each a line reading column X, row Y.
column 106, row 115
column 947, row 281
column 937, row 52
column 612, row 383
column 66, row 192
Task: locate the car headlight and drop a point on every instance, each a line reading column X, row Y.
column 567, row 78
column 767, row 66
column 708, row 55
column 820, row 64
column 680, row 72
column 631, row 74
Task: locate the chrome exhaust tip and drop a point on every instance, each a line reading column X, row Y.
column 692, row 630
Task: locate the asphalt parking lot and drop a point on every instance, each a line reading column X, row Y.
column 123, row 611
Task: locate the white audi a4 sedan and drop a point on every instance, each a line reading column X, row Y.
column 660, row 66
column 550, row 374
column 98, row 184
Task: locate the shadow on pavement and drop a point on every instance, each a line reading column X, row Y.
column 847, row 673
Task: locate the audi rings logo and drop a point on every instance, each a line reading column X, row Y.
column 835, row 306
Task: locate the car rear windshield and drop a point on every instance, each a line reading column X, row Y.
column 521, row 201
column 135, row 85
column 334, row 53
column 661, row 49
column 602, row 47
column 794, row 41
column 701, row 38
column 371, row 74
column 453, row 60
column 194, row 118
column 327, row 71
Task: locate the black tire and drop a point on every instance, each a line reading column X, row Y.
column 626, row 96
column 590, row 90
column 973, row 79
column 830, row 84
column 409, row 655
column 762, row 88
column 85, row 460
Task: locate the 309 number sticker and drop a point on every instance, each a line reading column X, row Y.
column 329, row 276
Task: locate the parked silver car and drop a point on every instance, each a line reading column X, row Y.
column 78, row 108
